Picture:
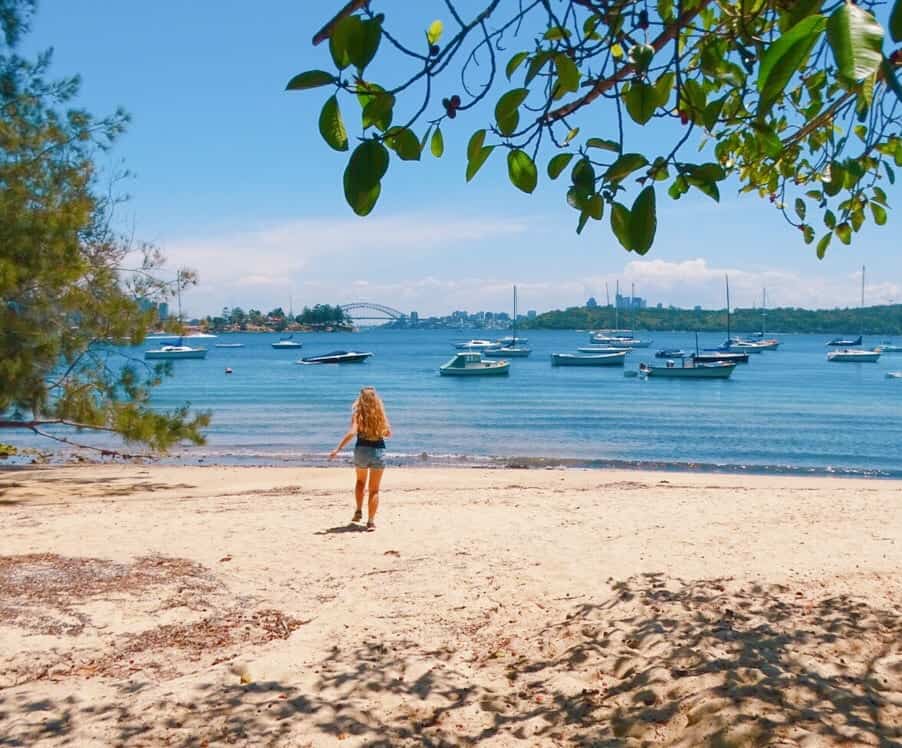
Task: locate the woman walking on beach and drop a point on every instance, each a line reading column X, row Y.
column 371, row 427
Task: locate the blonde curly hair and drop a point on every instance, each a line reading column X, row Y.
column 368, row 414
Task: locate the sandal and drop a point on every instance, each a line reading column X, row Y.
column 371, row 526
column 358, row 515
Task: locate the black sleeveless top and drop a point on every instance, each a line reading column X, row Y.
column 376, row 443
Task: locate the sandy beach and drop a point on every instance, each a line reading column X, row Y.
column 201, row 606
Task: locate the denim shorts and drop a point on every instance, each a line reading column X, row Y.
column 369, row 457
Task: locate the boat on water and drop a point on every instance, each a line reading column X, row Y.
column 510, row 346
column 887, row 347
column 287, row 342
column 689, row 370
column 163, row 336
column 844, row 342
column 200, row 335
column 854, row 355
column 228, row 345
column 615, row 341
column 477, row 344
column 712, row 357
column 173, row 352
column 588, row 359
column 603, row 349
column 337, row 357
column 767, row 344
column 471, row 364
column 894, row 375
column 672, row 353
column 741, row 346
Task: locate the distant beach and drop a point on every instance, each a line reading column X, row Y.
column 206, row 606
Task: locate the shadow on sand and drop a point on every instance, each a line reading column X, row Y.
column 706, row 663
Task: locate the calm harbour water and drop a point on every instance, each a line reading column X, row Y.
column 787, row 410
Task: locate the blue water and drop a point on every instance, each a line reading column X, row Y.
column 788, row 410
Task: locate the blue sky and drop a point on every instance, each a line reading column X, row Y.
column 232, row 178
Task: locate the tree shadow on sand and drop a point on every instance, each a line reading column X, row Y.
column 704, row 663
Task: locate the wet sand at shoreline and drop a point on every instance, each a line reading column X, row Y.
column 213, row 605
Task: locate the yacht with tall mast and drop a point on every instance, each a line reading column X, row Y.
column 855, row 355
column 179, row 350
column 511, row 346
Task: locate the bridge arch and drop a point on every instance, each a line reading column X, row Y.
column 366, row 310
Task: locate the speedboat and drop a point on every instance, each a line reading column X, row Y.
column 854, row 354
column 470, row 364
column 287, row 342
column 888, row 347
column 672, row 353
column 845, row 342
column 477, row 344
column 337, row 357
column 689, row 370
column 171, row 352
column 588, row 359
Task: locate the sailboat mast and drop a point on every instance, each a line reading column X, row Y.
column 727, row 280
column 861, row 313
column 763, row 310
column 617, row 306
column 514, row 324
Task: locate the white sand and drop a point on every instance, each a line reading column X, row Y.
column 498, row 607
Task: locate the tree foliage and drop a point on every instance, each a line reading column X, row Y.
column 69, row 285
column 795, row 100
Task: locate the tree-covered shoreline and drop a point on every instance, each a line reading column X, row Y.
column 873, row 320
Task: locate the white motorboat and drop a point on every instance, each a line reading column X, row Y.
column 615, row 341
column 287, row 343
column 477, row 344
column 742, row 346
column 172, row 352
column 894, row 375
column 599, row 349
column 588, row 359
column 854, row 355
column 200, row 335
column 689, row 370
column 337, row 357
column 888, row 347
column 507, row 351
column 228, row 345
column 470, row 364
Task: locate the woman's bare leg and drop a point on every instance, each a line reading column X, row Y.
column 359, row 489
column 375, row 481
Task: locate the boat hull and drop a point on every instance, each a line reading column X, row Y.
column 729, row 357
column 287, row 346
column 708, row 371
column 601, row 359
column 343, row 358
column 175, row 355
column 507, row 352
column 486, row 369
column 852, row 357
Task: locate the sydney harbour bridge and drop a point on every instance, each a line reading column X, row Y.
column 364, row 311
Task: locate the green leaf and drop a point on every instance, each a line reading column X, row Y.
column 895, row 22
column 539, row 60
column 856, row 39
column 558, row 164
column 340, row 40
column 890, row 174
column 567, row 74
column 476, row 142
column 583, row 176
column 620, row 224
column 663, row 88
column 784, row 57
column 570, row 135
column 641, row 101
column 807, row 233
column 694, row 100
column 522, row 170
column 822, row 245
column 310, row 79
column 378, row 109
column 844, row 232
column 556, row 32
column 437, row 144
column 880, row 196
column 331, row 126
column 404, row 142
column 514, row 63
column 829, row 219
column 605, row 145
column 712, row 112
column 475, row 162
column 835, row 179
column 434, row 32
column 363, row 174
column 624, row 166
column 879, row 214
column 643, row 221
column 641, row 56
column 365, row 44
column 506, row 114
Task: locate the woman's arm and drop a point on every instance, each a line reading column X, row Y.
column 352, row 431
